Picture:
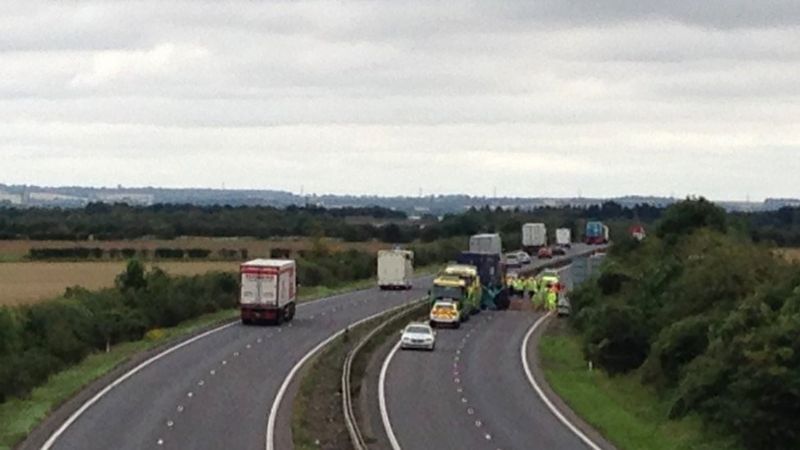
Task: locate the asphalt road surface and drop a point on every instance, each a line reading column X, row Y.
column 217, row 391
column 472, row 391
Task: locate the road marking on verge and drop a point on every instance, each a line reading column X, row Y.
column 89, row 403
column 523, row 354
column 387, row 424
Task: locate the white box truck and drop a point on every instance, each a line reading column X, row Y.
column 269, row 290
column 564, row 237
column 395, row 269
column 486, row 243
column 534, row 236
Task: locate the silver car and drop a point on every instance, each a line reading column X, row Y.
column 419, row 336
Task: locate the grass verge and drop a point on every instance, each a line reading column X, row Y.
column 19, row 416
column 627, row 413
column 317, row 418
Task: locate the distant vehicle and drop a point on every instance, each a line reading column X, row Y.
column 446, row 313
column 563, row 307
column 534, row 236
column 512, row 261
column 489, row 243
column 395, row 269
column 517, row 259
column 559, row 250
column 637, row 232
column 596, row 233
column 545, row 253
column 419, row 336
column 269, row 288
column 564, row 237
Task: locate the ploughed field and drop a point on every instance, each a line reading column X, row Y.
column 792, row 254
column 28, row 282
column 15, row 250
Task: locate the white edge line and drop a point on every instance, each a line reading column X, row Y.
column 276, row 404
column 387, row 424
column 540, row 392
column 89, row 403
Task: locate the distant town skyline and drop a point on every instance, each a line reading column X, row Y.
column 546, row 98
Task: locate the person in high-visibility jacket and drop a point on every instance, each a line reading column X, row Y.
column 531, row 286
column 552, row 299
column 519, row 286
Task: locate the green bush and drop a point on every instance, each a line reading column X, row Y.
column 712, row 320
column 38, row 340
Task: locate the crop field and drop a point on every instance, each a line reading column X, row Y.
column 17, row 250
column 28, row 282
column 792, row 254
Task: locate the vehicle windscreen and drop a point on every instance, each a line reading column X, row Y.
column 446, row 292
column 418, row 330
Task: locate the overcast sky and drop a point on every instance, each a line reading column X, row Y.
column 533, row 98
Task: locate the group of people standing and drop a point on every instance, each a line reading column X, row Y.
column 542, row 291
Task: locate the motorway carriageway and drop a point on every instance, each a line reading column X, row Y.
column 217, row 391
column 473, row 391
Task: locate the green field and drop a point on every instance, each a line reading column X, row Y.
column 627, row 413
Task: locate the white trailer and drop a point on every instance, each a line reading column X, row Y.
column 395, row 269
column 269, row 290
column 534, row 236
column 489, row 243
column 564, row 237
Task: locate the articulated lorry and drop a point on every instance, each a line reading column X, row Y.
column 395, row 269
column 534, row 237
column 596, row 233
column 269, row 290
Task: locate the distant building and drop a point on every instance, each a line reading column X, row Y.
column 10, row 197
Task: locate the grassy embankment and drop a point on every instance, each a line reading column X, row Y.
column 19, row 416
column 627, row 413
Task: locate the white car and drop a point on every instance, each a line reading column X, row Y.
column 418, row 335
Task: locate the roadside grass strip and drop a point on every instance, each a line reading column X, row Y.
column 627, row 413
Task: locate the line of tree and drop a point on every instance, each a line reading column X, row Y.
column 111, row 222
column 79, row 253
column 708, row 318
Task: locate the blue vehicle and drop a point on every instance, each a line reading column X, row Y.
column 492, row 275
column 596, row 233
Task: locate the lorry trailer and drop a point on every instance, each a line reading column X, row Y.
column 269, row 290
column 395, row 269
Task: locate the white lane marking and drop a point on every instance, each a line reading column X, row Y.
column 387, row 424
column 273, row 412
column 72, row 418
column 524, row 355
column 89, row 403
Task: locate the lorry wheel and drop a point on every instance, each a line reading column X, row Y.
column 279, row 317
column 246, row 321
column 289, row 313
column 457, row 325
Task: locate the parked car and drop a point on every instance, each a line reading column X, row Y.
column 545, row 253
column 418, row 335
column 560, row 251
